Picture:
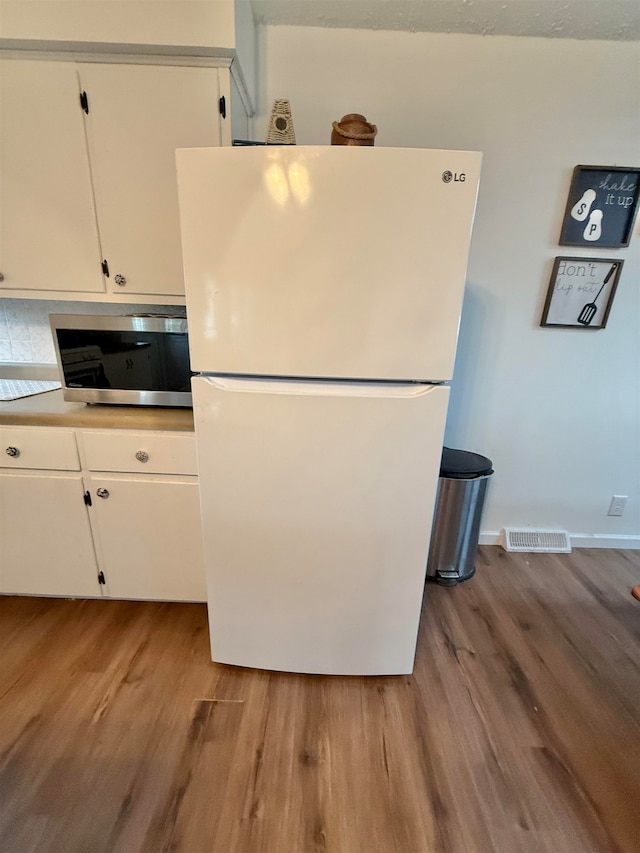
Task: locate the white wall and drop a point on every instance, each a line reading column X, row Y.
column 558, row 411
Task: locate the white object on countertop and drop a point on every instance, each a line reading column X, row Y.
column 16, row 389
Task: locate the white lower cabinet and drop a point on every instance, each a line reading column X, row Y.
column 145, row 513
column 148, row 536
column 46, row 547
column 91, row 513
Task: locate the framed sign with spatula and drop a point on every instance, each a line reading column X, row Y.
column 581, row 292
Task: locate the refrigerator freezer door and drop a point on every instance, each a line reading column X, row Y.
column 326, row 261
column 317, row 505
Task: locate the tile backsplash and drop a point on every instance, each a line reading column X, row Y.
column 24, row 332
column 25, row 336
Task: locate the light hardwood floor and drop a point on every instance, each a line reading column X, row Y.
column 519, row 731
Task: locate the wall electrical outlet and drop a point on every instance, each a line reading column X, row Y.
column 617, row 505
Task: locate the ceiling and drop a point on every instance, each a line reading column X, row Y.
column 578, row 19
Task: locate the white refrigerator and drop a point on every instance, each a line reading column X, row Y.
column 324, row 288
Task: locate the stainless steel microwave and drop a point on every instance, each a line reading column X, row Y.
column 139, row 360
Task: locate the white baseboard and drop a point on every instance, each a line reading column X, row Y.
column 626, row 541
column 491, row 537
column 605, row 540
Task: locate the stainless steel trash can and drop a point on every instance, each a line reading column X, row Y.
column 456, row 521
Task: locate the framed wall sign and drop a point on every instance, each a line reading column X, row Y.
column 581, row 292
column 602, row 206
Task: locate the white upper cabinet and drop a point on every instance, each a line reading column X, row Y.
column 48, row 234
column 79, row 189
column 138, row 116
column 220, row 29
column 89, row 202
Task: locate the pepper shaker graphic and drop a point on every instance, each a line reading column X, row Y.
column 593, row 231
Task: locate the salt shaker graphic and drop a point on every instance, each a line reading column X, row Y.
column 581, row 208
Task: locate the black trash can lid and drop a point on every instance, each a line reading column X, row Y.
column 464, row 465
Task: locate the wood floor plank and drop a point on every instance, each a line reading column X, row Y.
column 85, row 723
column 187, row 818
column 579, row 724
column 14, row 620
column 519, row 731
column 467, row 705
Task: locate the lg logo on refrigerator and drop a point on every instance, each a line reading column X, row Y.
column 448, row 176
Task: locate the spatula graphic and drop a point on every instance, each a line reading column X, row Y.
column 589, row 311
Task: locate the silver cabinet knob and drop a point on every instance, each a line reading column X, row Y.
column 142, row 456
column 103, row 493
column 120, row 280
column 13, row 451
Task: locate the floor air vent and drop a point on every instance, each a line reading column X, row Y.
column 530, row 539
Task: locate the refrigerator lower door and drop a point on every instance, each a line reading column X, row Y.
column 317, row 501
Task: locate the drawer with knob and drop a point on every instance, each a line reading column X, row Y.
column 38, row 448
column 144, row 452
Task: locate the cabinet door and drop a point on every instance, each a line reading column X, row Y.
column 138, row 116
column 150, row 543
column 46, row 546
column 48, row 234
